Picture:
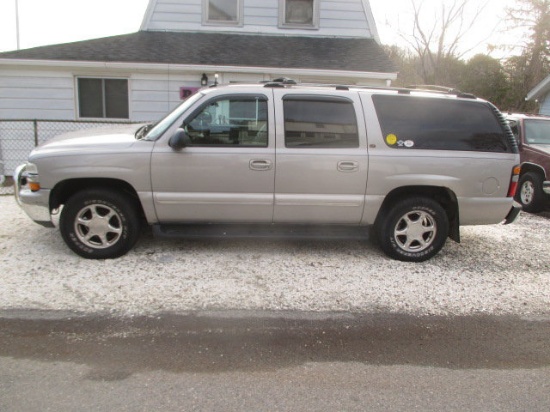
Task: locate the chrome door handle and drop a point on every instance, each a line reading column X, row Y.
column 260, row 165
column 348, row 166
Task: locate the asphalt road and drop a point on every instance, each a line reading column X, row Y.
column 275, row 326
column 273, row 361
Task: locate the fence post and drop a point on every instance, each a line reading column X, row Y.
column 35, row 125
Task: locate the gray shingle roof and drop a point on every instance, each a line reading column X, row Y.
column 220, row 49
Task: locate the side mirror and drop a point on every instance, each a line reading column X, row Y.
column 179, row 140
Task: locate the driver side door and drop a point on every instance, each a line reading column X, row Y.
column 226, row 171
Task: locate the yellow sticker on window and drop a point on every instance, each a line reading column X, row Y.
column 391, row 139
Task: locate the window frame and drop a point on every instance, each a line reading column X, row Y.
column 103, row 95
column 314, row 21
column 206, row 21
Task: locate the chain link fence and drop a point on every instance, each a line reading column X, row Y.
column 19, row 137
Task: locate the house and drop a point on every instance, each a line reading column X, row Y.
column 541, row 93
column 181, row 46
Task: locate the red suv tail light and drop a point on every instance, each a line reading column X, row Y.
column 514, row 181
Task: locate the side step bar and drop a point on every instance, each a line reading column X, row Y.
column 215, row 231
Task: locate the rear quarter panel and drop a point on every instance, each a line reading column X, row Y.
column 479, row 180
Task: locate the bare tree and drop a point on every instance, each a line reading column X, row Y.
column 438, row 45
column 534, row 16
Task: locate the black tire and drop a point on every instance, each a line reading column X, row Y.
column 530, row 193
column 413, row 230
column 99, row 224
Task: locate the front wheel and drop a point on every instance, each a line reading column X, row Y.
column 530, row 193
column 99, row 224
column 413, row 230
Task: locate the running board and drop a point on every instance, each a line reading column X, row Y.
column 215, row 231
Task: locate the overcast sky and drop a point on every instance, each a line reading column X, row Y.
column 43, row 22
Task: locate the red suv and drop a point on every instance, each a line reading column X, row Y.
column 533, row 136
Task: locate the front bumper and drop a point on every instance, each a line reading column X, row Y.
column 34, row 204
column 546, row 187
column 513, row 214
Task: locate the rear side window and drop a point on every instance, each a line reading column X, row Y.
column 320, row 122
column 410, row 122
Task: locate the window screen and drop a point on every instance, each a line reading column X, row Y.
column 224, row 11
column 410, row 122
column 311, row 122
column 299, row 12
column 239, row 121
column 103, row 98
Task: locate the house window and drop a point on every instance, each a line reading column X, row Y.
column 222, row 12
column 103, row 98
column 299, row 13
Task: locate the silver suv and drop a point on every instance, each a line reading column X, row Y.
column 281, row 159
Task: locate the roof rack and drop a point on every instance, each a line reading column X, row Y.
column 442, row 89
column 285, row 82
column 280, row 82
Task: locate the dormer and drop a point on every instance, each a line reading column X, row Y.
column 350, row 18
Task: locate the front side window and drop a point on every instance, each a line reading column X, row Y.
column 222, row 11
column 103, row 98
column 410, row 122
column 316, row 122
column 236, row 121
column 537, row 131
column 299, row 13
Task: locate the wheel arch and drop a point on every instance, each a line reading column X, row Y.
column 67, row 188
column 443, row 195
column 528, row 167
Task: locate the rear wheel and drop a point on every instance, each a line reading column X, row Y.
column 99, row 224
column 413, row 230
column 530, row 193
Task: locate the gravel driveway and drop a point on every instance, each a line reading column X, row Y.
column 496, row 270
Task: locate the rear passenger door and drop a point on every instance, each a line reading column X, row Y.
column 321, row 153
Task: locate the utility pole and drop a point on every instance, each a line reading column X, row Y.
column 17, row 23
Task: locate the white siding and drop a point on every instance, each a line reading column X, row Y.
column 545, row 106
column 342, row 18
column 36, row 95
column 154, row 95
column 51, row 95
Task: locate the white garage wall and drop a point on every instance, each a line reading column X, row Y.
column 31, row 94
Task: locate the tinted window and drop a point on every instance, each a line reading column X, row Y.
column 311, row 122
column 423, row 123
column 230, row 121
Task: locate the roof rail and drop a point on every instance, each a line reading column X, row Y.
column 442, row 89
column 285, row 82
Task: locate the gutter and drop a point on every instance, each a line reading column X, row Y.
column 168, row 67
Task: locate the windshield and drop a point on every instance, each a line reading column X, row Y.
column 165, row 123
column 537, row 131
